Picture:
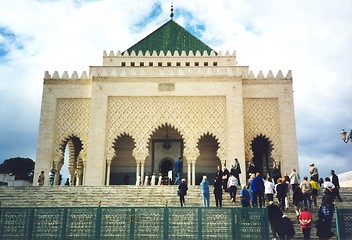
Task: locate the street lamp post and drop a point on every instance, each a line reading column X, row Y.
column 344, row 136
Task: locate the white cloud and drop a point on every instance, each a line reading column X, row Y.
column 311, row 38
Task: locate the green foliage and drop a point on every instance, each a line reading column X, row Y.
column 22, row 168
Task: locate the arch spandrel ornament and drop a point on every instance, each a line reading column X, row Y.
column 73, row 116
column 189, row 115
column 261, row 116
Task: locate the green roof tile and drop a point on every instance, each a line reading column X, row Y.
column 170, row 37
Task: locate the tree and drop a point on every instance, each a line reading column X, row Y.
column 22, row 168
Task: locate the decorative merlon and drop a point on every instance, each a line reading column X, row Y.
column 65, row 75
column 269, row 76
column 176, row 53
column 239, row 72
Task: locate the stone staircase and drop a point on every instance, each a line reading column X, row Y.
column 128, row 195
column 121, row 195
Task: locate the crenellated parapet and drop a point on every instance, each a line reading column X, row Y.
column 269, row 76
column 169, row 59
column 66, row 76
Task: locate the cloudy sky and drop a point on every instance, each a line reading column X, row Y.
column 312, row 38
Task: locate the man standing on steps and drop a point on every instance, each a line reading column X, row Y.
column 182, row 191
column 178, row 169
column 335, row 180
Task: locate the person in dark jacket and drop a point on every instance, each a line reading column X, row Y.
column 274, row 215
column 225, row 177
column 325, row 215
column 257, row 188
column 285, row 229
column 182, row 191
column 275, row 173
column 218, row 191
column 252, row 169
column 281, row 191
column 335, row 180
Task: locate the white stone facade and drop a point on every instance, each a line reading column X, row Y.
column 192, row 95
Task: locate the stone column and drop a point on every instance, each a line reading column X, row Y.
column 57, row 166
column 138, row 179
column 108, row 165
column 193, row 173
column 142, row 172
column 189, row 180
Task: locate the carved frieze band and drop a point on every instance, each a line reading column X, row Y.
column 191, row 116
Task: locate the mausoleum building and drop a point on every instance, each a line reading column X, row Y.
column 168, row 96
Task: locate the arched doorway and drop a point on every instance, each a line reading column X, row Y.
column 72, row 165
column 207, row 161
column 165, row 145
column 167, row 165
column 123, row 165
column 262, row 148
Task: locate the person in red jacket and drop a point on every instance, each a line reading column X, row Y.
column 305, row 222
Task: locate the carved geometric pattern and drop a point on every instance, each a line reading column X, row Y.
column 72, row 120
column 192, row 117
column 261, row 116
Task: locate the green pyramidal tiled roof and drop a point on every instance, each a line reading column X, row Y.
column 170, row 37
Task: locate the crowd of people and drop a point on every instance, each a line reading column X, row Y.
column 280, row 194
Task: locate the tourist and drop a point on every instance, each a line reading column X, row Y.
column 305, row 222
column 315, row 192
column 52, row 177
column 321, row 182
column 329, row 188
column 285, row 229
column 335, row 180
column 286, row 178
column 313, row 172
column 205, row 191
column 219, row 172
column 67, row 182
column 218, row 191
column 295, row 179
column 232, row 186
column 269, row 189
column 41, row 179
column 244, row 196
column 178, row 169
column 306, row 190
column 237, row 170
column 281, row 191
column 182, row 191
column 298, row 199
column 257, row 187
column 325, row 215
column 275, row 173
column 225, row 176
column 252, row 169
column 249, row 184
column 274, row 215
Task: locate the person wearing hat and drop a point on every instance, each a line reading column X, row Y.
column 313, row 172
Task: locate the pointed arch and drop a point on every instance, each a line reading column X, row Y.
column 74, row 145
column 122, row 165
column 262, row 148
column 207, row 161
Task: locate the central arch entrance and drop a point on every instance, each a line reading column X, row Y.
column 165, row 166
column 262, row 148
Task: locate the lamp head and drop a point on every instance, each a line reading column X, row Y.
column 343, row 135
